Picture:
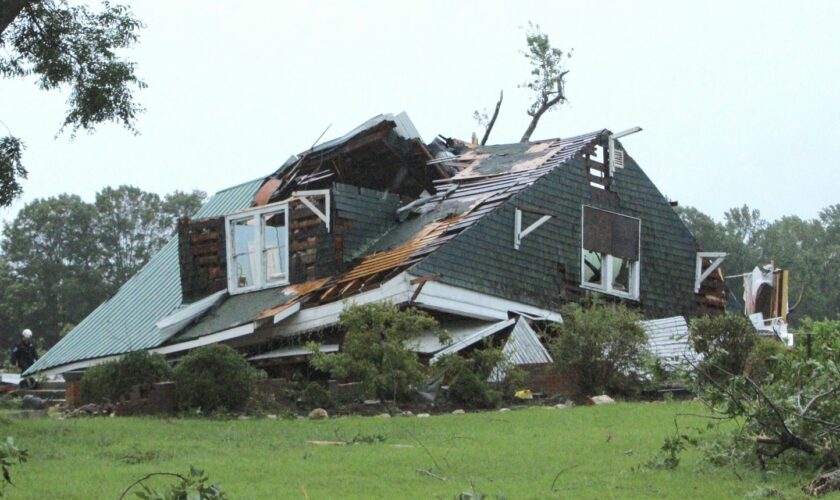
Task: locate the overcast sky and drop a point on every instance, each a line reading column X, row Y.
column 739, row 101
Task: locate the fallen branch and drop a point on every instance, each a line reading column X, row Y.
column 147, row 476
column 824, row 483
column 430, row 474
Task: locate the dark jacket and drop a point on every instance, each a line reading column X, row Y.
column 24, row 354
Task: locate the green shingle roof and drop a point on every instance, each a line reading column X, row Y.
column 126, row 321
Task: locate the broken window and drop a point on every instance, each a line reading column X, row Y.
column 258, row 248
column 610, row 252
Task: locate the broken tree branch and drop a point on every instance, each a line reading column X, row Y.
column 493, row 119
column 147, row 476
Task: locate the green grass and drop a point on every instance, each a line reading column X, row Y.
column 597, row 452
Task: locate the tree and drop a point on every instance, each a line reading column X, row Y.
column 549, row 76
column 131, row 227
column 50, row 273
column 61, row 257
column 68, row 46
column 178, row 204
column 133, row 224
column 486, row 120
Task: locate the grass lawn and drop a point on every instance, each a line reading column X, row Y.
column 517, row 454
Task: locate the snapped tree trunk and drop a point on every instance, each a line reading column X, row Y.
column 9, row 10
column 493, row 120
column 533, row 125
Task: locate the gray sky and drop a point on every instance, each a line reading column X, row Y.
column 739, row 100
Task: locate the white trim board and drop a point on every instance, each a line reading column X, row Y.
column 452, row 299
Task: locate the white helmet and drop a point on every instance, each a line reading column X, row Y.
column 27, row 334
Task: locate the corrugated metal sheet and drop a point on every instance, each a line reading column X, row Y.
column 668, row 339
column 524, row 347
column 126, row 322
column 294, row 350
column 458, row 330
column 471, row 339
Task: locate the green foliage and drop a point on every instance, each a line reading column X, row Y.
column 808, row 248
column 12, row 170
column 603, row 346
column 214, row 377
column 10, row 454
column 375, row 350
column 96, row 383
column 793, row 406
column 548, row 73
column 725, row 341
column 314, row 395
column 75, row 46
column 114, row 380
column 192, row 487
column 48, row 270
column 824, row 339
column 61, row 257
column 763, row 357
column 468, row 389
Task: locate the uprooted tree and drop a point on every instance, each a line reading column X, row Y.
column 793, row 409
column 67, row 47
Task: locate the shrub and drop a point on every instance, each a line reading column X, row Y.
column 602, row 345
column 314, row 395
column 375, row 350
column 214, row 377
column 97, row 383
column 725, row 341
column 763, row 359
column 468, row 389
column 114, row 380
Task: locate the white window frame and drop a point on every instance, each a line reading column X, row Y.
column 607, row 265
column 257, row 214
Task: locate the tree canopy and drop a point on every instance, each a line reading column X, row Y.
column 809, row 249
column 61, row 257
column 68, row 47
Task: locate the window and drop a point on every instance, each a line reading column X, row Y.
column 258, row 249
column 610, row 252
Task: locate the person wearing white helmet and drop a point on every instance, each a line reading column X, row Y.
column 24, row 355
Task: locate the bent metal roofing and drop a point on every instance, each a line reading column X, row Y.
column 126, row 321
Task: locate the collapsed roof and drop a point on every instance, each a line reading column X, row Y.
column 411, row 200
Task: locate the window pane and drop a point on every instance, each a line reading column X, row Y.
column 592, row 265
column 274, row 246
column 244, row 236
column 244, row 269
column 244, row 251
column 621, row 274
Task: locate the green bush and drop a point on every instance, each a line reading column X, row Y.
column 470, row 390
column 375, row 350
column 314, row 395
column 114, row 380
column 725, row 341
column 97, row 383
column 763, row 360
column 603, row 346
column 214, row 377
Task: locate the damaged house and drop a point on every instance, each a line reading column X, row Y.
column 491, row 240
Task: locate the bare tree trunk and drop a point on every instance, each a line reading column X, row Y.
column 533, row 125
column 9, row 10
column 493, row 120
